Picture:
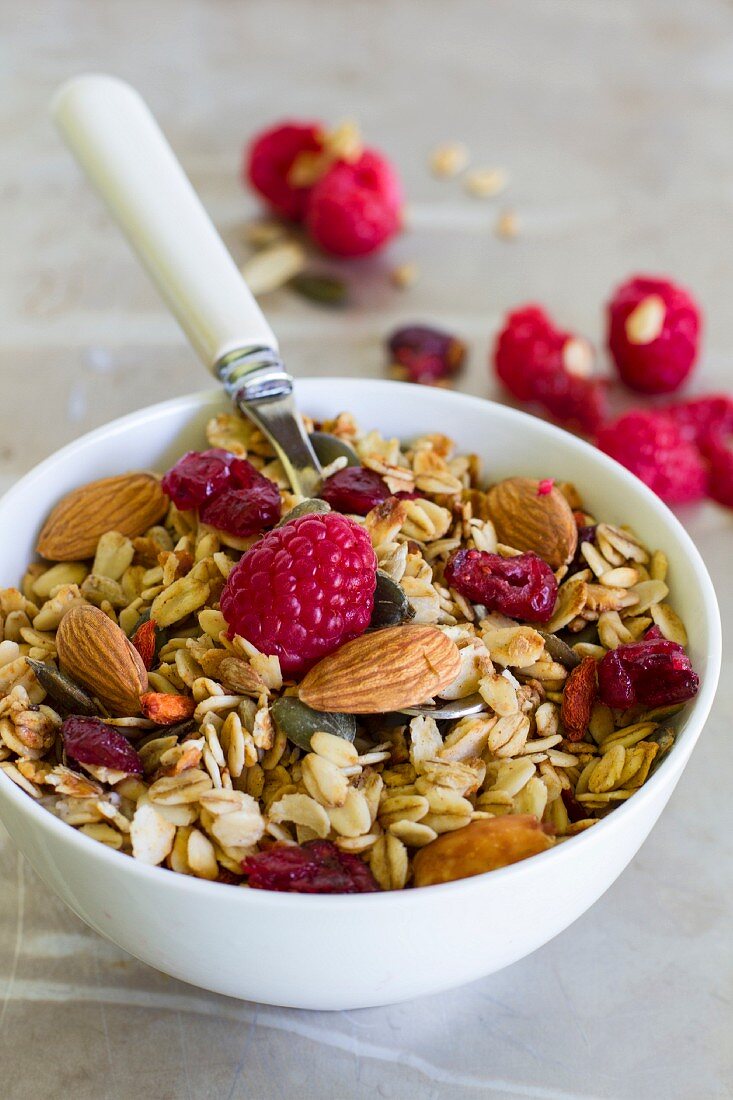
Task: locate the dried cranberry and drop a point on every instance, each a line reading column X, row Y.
column 575, row 811
column 244, row 512
column 196, row 477
column 427, row 355
column 92, row 741
column 317, row 867
column 651, row 673
column 355, row 490
column 653, row 334
column 523, row 587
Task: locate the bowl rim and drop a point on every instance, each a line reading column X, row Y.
column 665, row 775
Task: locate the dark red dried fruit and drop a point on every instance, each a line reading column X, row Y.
column 538, row 362
column 196, row 477
column 653, row 333
column 229, row 877
column 523, row 587
column 354, row 490
column 651, row 673
column 585, row 534
column 92, row 741
column 576, row 812
column 251, row 505
column 317, row 867
column 426, row 355
column 652, row 446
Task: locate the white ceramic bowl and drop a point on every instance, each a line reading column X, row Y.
column 372, row 949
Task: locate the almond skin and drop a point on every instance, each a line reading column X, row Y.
column 97, row 654
column 484, row 845
column 129, row 503
column 528, row 520
column 385, row 670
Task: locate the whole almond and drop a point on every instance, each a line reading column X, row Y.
column 530, row 520
column 97, row 654
column 385, row 670
column 484, row 845
column 129, row 504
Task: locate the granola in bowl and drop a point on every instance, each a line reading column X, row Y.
column 210, row 674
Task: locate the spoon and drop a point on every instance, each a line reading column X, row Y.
column 125, row 155
column 449, row 710
column 120, row 146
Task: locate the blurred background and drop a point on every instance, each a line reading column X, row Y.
column 611, row 122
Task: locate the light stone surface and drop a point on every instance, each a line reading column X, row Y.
column 613, row 119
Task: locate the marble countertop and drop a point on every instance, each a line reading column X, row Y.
column 613, row 119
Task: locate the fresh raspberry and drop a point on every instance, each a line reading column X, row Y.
column 196, row 477
column 419, row 353
column 716, row 449
column 523, row 587
column 653, row 447
column 650, row 673
column 355, row 489
column 571, row 399
column 303, row 590
column 270, row 157
column 91, row 741
column 537, row 362
column 355, row 207
column 700, row 416
column 653, row 334
column 249, row 505
column 317, row 867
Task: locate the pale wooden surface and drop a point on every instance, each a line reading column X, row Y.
column 614, row 120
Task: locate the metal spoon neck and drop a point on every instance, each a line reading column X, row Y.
column 259, row 386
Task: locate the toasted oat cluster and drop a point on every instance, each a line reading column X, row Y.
column 219, row 685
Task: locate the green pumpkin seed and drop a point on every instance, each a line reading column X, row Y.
column 312, row 506
column 391, row 605
column 299, row 722
column 64, row 691
column 324, row 290
column 330, row 447
column 559, row 650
